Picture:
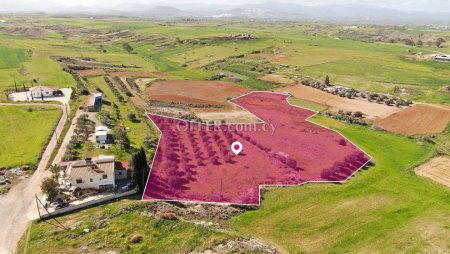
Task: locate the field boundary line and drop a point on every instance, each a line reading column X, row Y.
column 263, row 122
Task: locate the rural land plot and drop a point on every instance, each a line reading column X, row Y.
column 24, row 131
column 197, row 164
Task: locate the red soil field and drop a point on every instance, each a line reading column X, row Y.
column 194, row 162
column 194, row 92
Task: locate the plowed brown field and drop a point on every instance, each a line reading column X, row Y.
column 194, row 92
column 420, row 118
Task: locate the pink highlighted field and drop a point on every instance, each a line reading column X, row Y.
column 194, row 162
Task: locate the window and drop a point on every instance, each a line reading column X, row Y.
column 105, row 176
column 79, row 180
column 120, row 173
column 91, row 180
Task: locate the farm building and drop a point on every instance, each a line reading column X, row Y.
column 97, row 173
column 442, row 57
column 101, row 134
column 38, row 92
column 122, row 172
column 93, row 102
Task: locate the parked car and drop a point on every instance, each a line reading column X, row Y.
column 61, row 205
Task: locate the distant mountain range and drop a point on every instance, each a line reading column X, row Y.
column 356, row 13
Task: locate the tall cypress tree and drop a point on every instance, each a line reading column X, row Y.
column 140, row 169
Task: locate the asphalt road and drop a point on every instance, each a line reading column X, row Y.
column 18, row 206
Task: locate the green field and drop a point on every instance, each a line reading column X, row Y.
column 24, row 133
column 11, row 57
column 159, row 236
column 384, row 209
column 374, row 66
column 307, row 104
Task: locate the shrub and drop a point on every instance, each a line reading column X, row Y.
column 168, row 216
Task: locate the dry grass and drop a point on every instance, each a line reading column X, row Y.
column 437, row 169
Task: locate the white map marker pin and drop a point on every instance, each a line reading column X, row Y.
column 236, row 147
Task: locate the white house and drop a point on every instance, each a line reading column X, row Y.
column 38, row 92
column 97, row 173
column 101, row 134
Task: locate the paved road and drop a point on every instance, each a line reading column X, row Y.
column 18, row 206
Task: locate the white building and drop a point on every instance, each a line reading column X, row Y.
column 38, row 92
column 94, row 102
column 442, row 57
column 97, row 173
column 101, row 134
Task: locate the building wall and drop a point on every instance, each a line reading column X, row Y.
column 97, row 179
column 101, row 138
column 37, row 94
column 121, row 174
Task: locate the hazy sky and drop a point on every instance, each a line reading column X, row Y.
column 409, row 5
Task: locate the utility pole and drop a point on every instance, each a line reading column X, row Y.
column 15, row 85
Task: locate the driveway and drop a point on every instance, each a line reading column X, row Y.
column 25, row 96
column 18, row 206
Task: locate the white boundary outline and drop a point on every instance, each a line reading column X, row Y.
column 262, row 122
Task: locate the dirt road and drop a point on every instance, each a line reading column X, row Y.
column 335, row 103
column 18, row 207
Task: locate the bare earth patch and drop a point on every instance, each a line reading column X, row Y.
column 437, row 169
column 194, row 92
column 229, row 115
column 273, row 57
column 335, row 103
column 277, row 79
column 421, row 118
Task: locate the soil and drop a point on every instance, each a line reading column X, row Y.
column 273, row 57
column 335, row 103
column 240, row 245
column 437, row 169
column 277, row 79
column 196, row 211
column 229, row 115
column 24, row 30
column 419, row 119
column 213, row 93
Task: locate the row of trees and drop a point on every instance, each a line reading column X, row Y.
column 351, row 93
column 114, row 89
column 122, row 86
column 438, row 42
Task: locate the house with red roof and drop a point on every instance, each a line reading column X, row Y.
column 99, row 173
